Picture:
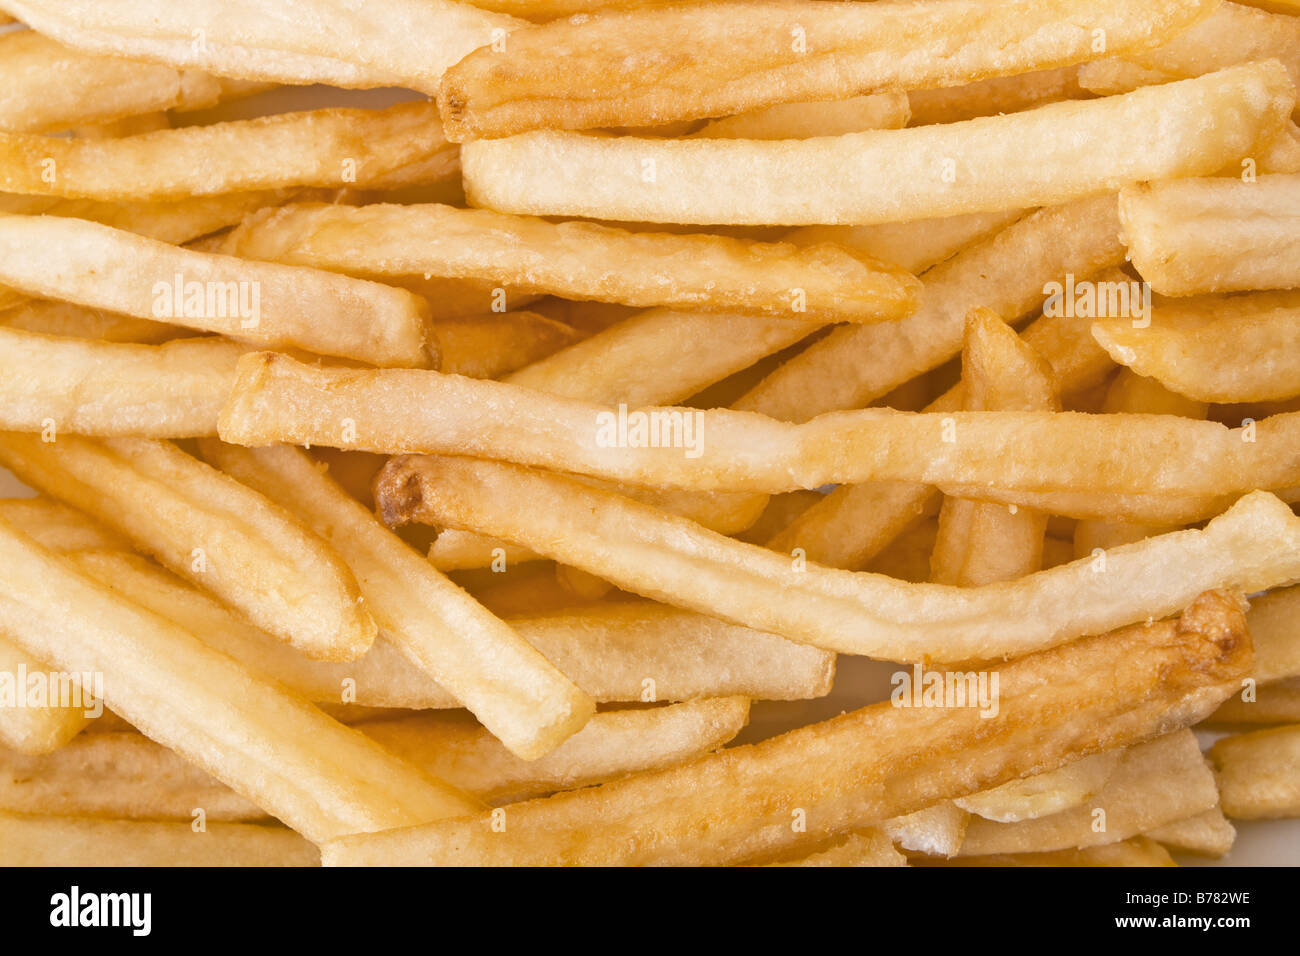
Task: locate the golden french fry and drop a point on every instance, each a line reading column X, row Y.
column 1277, row 702
column 1231, row 34
column 1044, row 794
column 1259, row 773
column 871, row 847
column 45, row 86
column 210, row 529
column 1139, row 851
column 1206, row 834
column 806, row 120
column 271, row 747
column 40, row 725
column 729, row 57
column 647, row 551
column 1007, row 272
column 1215, row 235
column 582, row 260
column 999, row 94
column 50, row 317
column 330, row 147
column 1154, row 783
column 79, row 841
column 260, row 302
column 978, row 542
column 511, row 688
column 493, row 345
column 1186, row 351
column 395, row 411
column 407, row 43
column 127, row 776
column 935, row 831
column 1188, row 128
column 173, row 390
column 860, row 768
column 54, row 525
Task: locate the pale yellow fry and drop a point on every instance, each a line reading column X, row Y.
column 262, row 302
column 1275, row 627
column 871, row 847
column 209, row 528
column 991, row 455
column 50, row 317
column 1215, row 235
column 978, row 542
column 46, row 86
column 1006, row 272
column 653, row 66
column 1207, row 834
column 1277, row 702
column 81, row 842
column 404, row 43
column 1044, row 794
column 511, row 688
column 806, row 120
column 935, row 831
column 1139, row 851
column 277, row 750
column 999, row 94
column 1231, row 34
column 329, row 147
column 1155, row 783
column 860, row 768
column 128, row 776
column 39, row 726
column 54, row 525
column 52, row 385
column 1259, row 773
column 493, row 345
column 650, row 552
column 1253, row 355
column 1189, row 128
column 581, row 260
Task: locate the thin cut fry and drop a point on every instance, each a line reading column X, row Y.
column 935, row 831
column 1189, row 128
column 1215, row 235
column 871, row 847
column 1206, row 834
column 805, row 120
column 718, row 59
column 329, row 147
column 581, row 260
column 1259, row 773
column 405, row 43
column 277, row 750
column 511, row 688
column 999, row 94
column 174, row 390
column 210, row 529
column 647, row 551
column 493, row 345
column 54, row 525
column 49, row 317
column 1044, row 794
column 860, row 768
column 45, row 86
column 1139, row 851
column 267, row 303
column 75, row 841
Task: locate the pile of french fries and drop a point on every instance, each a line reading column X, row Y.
column 446, row 481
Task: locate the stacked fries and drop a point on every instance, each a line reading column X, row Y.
column 461, row 480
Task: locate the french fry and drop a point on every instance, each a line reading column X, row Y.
column 511, row 688
column 82, row 842
column 260, row 302
column 1006, row 272
column 50, row 317
column 1259, row 773
column 871, row 847
column 493, row 345
column 395, row 411
column 1044, row 794
column 1155, row 783
column 271, row 747
column 1000, row 94
column 39, row 726
column 1215, row 235
column 980, row 543
column 330, row 147
column 1231, row 34
column 1188, row 128
column 582, row 260
column 89, row 89
column 54, row 525
column 408, row 43
column 860, row 768
column 210, row 529
column 1206, row 834
column 174, row 390
column 128, row 776
column 1261, row 334
column 1277, row 702
column 650, row 552
column 806, row 120
column 1139, row 851
column 730, row 57
column 934, row 831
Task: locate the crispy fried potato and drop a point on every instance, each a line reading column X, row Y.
column 1259, row 773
